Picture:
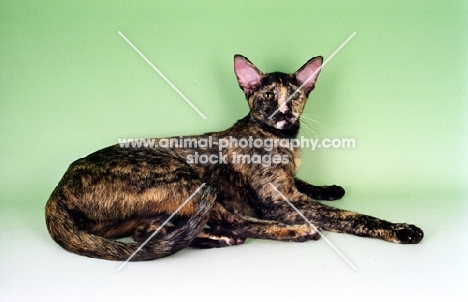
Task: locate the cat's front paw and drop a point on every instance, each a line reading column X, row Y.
column 407, row 234
column 328, row 192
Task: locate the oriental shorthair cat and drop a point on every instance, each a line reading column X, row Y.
column 235, row 185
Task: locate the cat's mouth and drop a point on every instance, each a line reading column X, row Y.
column 285, row 123
column 280, row 120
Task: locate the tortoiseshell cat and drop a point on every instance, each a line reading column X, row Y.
column 119, row 192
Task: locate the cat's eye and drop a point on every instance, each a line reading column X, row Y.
column 295, row 96
column 269, row 95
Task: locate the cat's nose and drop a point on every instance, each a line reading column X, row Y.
column 284, row 109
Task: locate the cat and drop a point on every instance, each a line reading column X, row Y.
column 234, row 188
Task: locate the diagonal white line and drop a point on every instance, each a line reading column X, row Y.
column 162, row 75
column 313, row 226
column 313, row 74
column 161, row 226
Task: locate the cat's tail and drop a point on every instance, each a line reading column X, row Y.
column 65, row 232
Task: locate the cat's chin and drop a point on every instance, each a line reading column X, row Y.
column 283, row 124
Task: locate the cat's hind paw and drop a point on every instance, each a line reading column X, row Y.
column 152, row 228
column 208, row 240
column 300, row 233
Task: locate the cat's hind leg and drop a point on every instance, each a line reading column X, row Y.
column 157, row 225
column 237, row 225
column 209, row 239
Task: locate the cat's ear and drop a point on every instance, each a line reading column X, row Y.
column 307, row 75
column 248, row 76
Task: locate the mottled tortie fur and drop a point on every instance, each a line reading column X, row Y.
column 128, row 191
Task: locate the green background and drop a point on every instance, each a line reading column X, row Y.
column 69, row 85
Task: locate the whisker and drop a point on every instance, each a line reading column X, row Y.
column 309, row 114
column 315, row 121
column 308, row 127
column 306, row 117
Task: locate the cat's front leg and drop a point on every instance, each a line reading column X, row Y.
column 319, row 192
column 343, row 221
column 284, row 203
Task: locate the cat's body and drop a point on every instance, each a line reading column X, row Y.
column 239, row 190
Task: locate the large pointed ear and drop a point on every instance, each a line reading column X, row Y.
column 248, row 76
column 307, row 75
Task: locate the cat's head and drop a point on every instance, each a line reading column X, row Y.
column 276, row 99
